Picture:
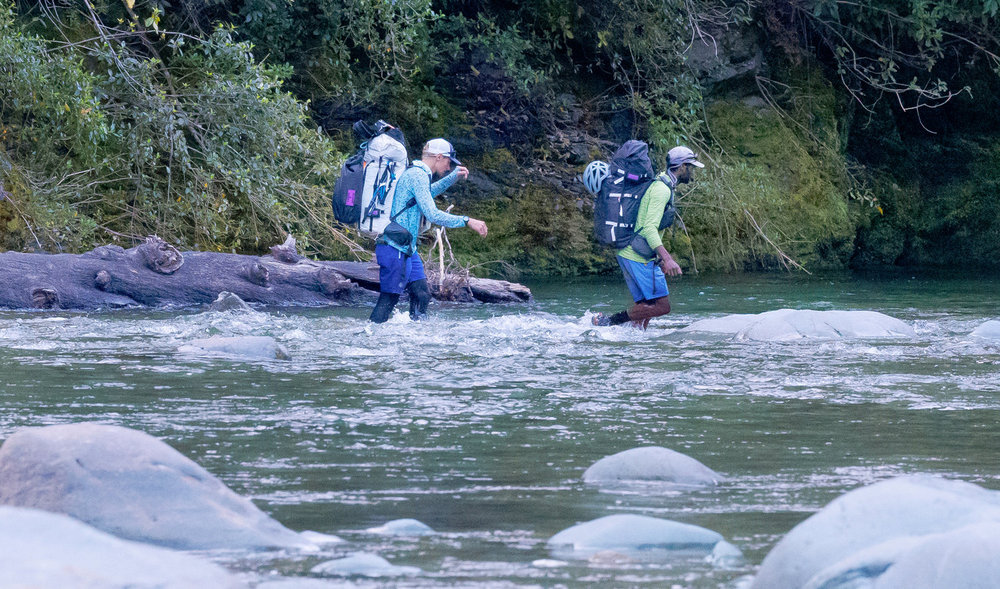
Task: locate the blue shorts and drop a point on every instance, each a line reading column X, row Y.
column 396, row 269
column 646, row 281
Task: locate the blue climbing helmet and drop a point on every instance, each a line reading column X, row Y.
column 594, row 176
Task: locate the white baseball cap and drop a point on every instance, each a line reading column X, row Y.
column 682, row 155
column 441, row 147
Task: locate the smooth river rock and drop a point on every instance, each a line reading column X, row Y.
column 794, row 324
column 988, row 330
column 246, row 346
column 363, row 564
column 133, row 486
column 966, row 558
column 918, row 531
column 651, row 464
column 640, row 536
column 304, row 583
column 43, row 550
column 402, row 527
column 227, row 301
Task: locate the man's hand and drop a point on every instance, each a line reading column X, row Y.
column 670, row 267
column 480, row 227
column 462, row 172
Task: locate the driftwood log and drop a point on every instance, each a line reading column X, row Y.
column 156, row 274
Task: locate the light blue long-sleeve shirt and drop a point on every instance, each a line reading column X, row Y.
column 415, row 182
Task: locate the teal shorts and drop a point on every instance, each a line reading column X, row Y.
column 646, row 281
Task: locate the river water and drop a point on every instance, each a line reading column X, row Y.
column 480, row 421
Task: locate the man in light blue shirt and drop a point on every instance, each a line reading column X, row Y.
column 399, row 263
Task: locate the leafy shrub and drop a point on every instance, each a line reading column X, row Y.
column 777, row 187
column 187, row 138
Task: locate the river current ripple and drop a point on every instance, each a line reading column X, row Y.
column 480, row 421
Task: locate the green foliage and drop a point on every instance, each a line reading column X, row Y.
column 121, row 119
column 500, row 74
column 539, row 230
column 940, row 220
column 934, row 190
column 642, row 43
column 422, row 112
column 189, row 139
column 916, row 51
column 508, row 48
column 556, row 234
column 776, row 188
column 353, row 46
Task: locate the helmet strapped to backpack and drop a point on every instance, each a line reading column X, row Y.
column 594, row 175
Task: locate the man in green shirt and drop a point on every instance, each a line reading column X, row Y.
column 646, row 275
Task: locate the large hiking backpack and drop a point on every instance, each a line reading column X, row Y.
column 346, row 198
column 616, row 207
column 362, row 196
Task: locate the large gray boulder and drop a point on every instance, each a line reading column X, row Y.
column 966, row 557
column 896, row 529
column 989, row 330
column 725, row 54
column 640, row 536
column 45, row 550
column 796, row 324
column 650, row 464
column 132, row 485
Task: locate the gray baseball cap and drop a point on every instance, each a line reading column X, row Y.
column 683, row 155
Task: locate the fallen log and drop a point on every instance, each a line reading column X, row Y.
column 156, row 274
column 486, row 290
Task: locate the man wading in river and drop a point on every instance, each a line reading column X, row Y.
column 645, row 263
column 399, row 264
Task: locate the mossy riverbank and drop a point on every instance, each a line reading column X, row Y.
column 223, row 129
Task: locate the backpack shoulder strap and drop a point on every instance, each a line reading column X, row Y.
column 670, row 184
column 412, row 202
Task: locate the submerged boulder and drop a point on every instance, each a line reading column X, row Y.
column 134, row 486
column 651, row 464
column 640, row 536
column 52, row 551
column 228, row 301
column 249, row 346
column 795, row 324
column 897, row 529
column 363, row 564
column 728, row 324
column 988, row 330
column 303, row 583
column 402, row 527
column 319, row 538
